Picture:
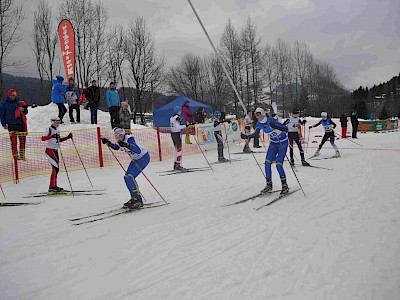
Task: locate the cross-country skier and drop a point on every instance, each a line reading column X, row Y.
column 293, row 123
column 140, row 159
column 176, row 127
column 277, row 147
column 218, row 135
column 52, row 138
column 329, row 126
column 247, row 129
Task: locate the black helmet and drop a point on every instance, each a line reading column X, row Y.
column 295, row 111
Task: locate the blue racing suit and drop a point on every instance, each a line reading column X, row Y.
column 140, row 159
column 277, row 147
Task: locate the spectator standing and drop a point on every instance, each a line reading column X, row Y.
column 72, row 97
column 58, row 96
column 200, row 115
column 13, row 118
column 354, row 123
column 125, row 116
column 372, row 117
column 187, row 119
column 93, row 97
column 113, row 104
column 343, row 124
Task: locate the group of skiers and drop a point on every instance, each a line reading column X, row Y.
column 281, row 136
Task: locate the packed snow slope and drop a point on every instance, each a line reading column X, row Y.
column 341, row 241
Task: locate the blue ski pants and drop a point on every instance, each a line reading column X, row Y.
column 277, row 152
column 134, row 169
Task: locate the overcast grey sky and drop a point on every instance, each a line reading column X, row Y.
column 359, row 38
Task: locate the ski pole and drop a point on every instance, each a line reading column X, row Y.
column 352, row 141
column 308, row 139
column 203, row 153
column 298, row 181
column 227, row 144
column 4, row 195
column 141, row 170
column 247, row 143
column 116, row 158
column 66, row 171
column 81, row 162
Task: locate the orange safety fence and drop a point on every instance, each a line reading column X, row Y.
column 19, row 163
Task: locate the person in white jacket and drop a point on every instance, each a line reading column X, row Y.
column 176, row 127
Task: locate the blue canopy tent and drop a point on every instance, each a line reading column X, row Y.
column 164, row 113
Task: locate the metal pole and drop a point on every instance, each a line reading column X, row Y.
column 219, row 58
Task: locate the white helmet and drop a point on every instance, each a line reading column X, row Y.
column 324, row 114
column 259, row 111
column 118, row 130
column 55, row 119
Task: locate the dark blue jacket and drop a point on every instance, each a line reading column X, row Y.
column 7, row 112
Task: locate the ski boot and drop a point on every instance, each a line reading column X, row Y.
column 56, row 190
column 134, row 203
column 337, row 154
column 178, row 167
column 268, row 187
column 316, row 152
column 304, row 163
column 222, row 159
column 291, row 161
column 285, row 189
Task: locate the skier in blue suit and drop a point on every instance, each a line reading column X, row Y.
column 140, row 159
column 277, row 147
column 329, row 127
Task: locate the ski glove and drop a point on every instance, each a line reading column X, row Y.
column 244, row 136
column 123, row 144
column 105, row 141
column 309, row 127
column 69, row 136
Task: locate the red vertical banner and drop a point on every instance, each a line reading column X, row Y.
column 67, row 42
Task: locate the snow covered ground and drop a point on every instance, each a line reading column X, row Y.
column 341, row 241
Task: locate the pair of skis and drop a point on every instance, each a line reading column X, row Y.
column 113, row 213
column 186, row 170
column 262, row 195
column 66, row 193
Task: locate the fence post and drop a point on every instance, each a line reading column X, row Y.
column 100, row 148
column 159, row 144
column 15, row 154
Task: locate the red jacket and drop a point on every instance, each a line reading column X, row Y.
column 187, row 114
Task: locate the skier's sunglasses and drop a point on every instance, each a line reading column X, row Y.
column 257, row 114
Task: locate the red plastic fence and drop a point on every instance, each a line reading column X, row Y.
column 93, row 153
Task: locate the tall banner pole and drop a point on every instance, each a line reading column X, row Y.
column 219, row 59
column 67, row 41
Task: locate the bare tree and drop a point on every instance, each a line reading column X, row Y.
column 218, row 88
column 11, row 18
column 45, row 40
column 89, row 20
column 145, row 65
column 115, row 55
column 252, row 59
column 283, row 65
column 231, row 52
column 270, row 70
column 186, row 78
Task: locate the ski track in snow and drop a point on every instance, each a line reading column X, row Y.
column 341, row 241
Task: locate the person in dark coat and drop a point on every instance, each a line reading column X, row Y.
column 93, row 97
column 256, row 140
column 200, row 115
column 58, row 96
column 343, row 124
column 13, row 118
column 354, row 123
